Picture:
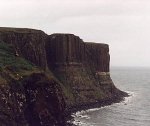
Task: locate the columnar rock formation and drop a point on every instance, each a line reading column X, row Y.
column 64, row 49
column 64, row 73
column 70, row 49
column 99, row 56
column 82, row 68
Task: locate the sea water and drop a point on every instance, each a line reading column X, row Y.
column 133, row 111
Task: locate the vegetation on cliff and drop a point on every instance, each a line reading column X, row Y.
column 8, row 60
column 28, row 96
column 43, row 77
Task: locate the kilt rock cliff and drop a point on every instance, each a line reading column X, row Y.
column 43, row 78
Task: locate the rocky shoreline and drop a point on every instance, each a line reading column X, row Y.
column 98, row 104
column 45, row 78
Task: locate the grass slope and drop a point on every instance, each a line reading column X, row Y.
column 13, row 66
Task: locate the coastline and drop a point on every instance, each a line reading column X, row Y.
column 74, row 75
column 99, row 104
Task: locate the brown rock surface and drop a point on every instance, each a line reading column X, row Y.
column 72, row 75
column 64, row 49
column 28, row 43
column 82, row 68
column 98, row 55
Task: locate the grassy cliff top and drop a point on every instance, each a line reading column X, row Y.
column 8, row 58
column 12, row 66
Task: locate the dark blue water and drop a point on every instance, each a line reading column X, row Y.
column 134, row 111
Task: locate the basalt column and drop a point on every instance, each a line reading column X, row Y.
column 64, row 50
column 76, row 65
column 98, row 57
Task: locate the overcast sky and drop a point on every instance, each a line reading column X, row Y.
column 123, row 24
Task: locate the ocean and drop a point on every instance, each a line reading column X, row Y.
column 133, row 111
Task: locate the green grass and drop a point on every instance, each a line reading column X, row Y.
column 9, row 61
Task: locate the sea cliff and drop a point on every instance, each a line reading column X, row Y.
column 45, row 77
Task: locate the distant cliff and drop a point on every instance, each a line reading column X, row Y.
column 43, row 77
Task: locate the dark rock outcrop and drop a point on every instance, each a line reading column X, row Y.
column 98, row 56
column 64, row 49
column 34, row 101
column 83, row 69
column 70, row 49
column 66, row 74
column 44, row 101
column 28, row 43
column 28, row 95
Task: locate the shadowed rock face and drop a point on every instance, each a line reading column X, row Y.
column 83, row 69
column 76, row 74
column 28, row 43
column 28, row 96
column 33, row 101
column 98, row 55
column 64, row 49
column 70, row 49
column 44, row 101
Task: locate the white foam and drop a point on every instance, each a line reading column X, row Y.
column 129, row 99
column 82, row 114
column 81, row 123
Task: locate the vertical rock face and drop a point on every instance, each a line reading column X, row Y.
column 83, row 69
column 98, row 55
column 77, row 75
column 28, row 43
column 28, row 96
column 64, row 49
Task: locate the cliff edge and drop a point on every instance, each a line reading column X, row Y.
column 44, row 77
column 83, row 69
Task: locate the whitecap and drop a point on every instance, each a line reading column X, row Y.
column 82, row 114
column 129, row 99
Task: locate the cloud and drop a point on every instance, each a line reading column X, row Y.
column 123, row 24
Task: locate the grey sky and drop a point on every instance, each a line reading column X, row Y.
column 123, row 24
